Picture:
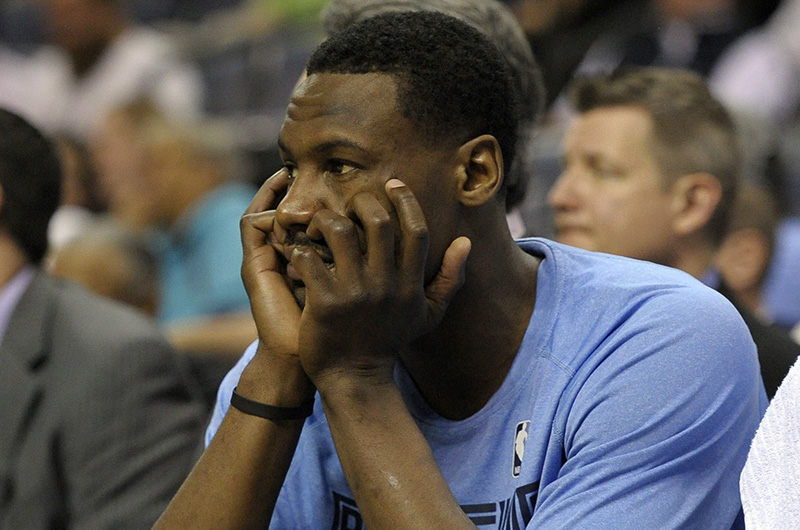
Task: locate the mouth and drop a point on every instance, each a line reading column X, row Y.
column 301, row 240
column 567, row 227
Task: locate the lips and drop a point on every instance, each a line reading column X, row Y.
column 301, row 240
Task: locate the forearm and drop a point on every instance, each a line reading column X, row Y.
column 387, row 461
column 236, row 482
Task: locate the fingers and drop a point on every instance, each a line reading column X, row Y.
column 270, row 191
column 379, row 232
column 413, row 230
column 258, row 221
column 450, row 277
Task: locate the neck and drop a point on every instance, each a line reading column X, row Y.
column 695, row 258
column 751, row 299
column 459, row 366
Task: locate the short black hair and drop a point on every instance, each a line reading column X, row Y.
column 497, row 22
column 30, row 177
column 452, row 82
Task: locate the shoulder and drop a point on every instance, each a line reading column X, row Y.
column 97, row 332
column 102, row 317
column 592, row 303
column 230, row 199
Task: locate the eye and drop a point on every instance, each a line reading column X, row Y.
column 292, row 170
column 339, row 167
column 606, row 173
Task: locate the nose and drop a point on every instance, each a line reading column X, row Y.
column 303, row 199
column 564, row 193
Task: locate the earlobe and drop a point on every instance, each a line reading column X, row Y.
column 481, row 170
column 696, row 197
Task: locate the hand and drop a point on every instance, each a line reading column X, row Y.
column 372, row 302
column 275, row 311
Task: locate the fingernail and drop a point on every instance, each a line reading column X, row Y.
column 394, row 183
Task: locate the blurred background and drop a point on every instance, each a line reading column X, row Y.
column 228, row 67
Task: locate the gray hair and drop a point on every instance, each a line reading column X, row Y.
column 499, row 25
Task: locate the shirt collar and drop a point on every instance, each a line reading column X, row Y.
column 10, row 294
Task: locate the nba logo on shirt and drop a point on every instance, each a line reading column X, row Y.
column 520, row 436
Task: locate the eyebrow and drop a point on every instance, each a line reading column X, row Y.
column 328, row 146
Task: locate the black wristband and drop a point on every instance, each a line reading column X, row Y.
column 271, row 412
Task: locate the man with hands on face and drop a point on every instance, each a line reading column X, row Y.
column 462, row 379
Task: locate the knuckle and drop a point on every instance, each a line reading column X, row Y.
column 246, row 221
column 380, row 220
column 340, row 226
column 418, row 232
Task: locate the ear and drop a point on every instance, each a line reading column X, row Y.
column 695, row 198
column 480, row 172
column 743, row 258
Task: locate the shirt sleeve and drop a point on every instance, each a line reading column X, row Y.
column 225, row 392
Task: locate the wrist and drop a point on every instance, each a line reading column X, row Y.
column 278, row 380
column 355, row 387
column 270, row 412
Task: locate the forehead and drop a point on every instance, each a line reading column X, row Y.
column 614, row 132
column 347, row 108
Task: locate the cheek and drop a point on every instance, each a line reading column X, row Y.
column 622, row 219
column 608, row 211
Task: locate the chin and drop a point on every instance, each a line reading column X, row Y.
column 575, row 239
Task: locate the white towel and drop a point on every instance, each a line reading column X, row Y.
column 770, row 481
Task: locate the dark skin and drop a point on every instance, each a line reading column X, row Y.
column 411, row 260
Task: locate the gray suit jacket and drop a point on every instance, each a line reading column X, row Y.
column 98, row 423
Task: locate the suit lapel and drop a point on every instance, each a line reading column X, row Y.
column 23, row 352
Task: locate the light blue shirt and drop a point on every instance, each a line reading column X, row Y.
column 630, row 404
column 200, row 259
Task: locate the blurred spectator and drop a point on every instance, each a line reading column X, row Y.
column 745, row 254
column 580, row 37
column 782, row 289
column 690, row 34
column 760, row 74
column 80, row 202
column 112, row 262
column 100, row 422
column 117, row 263
column 592, row 36
column 651, row 169
column 118, row 156
column 97, row 61
column 562, row 31
column 178, row 182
